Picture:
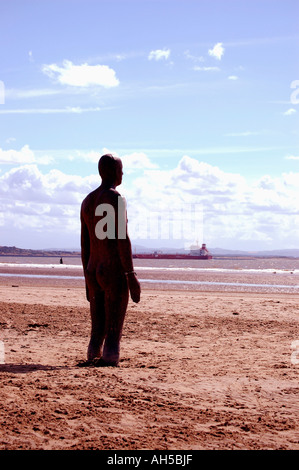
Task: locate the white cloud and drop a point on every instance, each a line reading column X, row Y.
column 159, row 54
column 42, row 210
column 28, row 184
column 217, row 51
column 292, row 157
column 289, row 112
column 233, row 209
column 10, row 139
column 192, row 57
column 202, row 179
column 82, row 75
column 23, row 156
column 44, row 160
column 206, row 69
column 131, row 162
column 233, row 77
column 137, row 161
column 67, row 110
column 15, row 93
column 92, row 156
column 242, row 134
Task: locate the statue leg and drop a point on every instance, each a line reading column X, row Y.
column 97, row 313
column 116, row 302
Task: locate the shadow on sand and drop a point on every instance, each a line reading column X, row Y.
column 26, row 368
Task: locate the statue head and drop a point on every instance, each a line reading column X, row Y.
column 110, row 169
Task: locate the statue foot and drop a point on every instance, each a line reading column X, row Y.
column 85, row 363
column 105, row 363
column 97, row 362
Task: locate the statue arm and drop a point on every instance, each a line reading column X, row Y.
column 126, row 257
column 123, row 240
column 125, row 251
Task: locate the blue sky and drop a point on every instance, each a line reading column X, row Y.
column 195, row 96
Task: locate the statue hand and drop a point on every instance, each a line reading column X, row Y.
column 87, row 292
column 134, row 287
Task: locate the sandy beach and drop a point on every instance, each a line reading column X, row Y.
column 199, row 370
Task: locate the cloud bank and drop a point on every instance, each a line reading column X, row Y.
column 235, row 212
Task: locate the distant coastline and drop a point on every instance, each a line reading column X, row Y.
column 217, row 253
column 14, row 251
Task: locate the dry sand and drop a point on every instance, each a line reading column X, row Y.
column 198, row 370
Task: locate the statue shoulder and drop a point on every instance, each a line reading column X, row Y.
column 111, row 196
column 88, row 201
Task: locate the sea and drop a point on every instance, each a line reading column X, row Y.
column 254, row 274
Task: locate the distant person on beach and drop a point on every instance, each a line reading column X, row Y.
column 61, row 261
column 107, row 263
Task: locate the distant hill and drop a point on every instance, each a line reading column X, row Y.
column 288, row 253
column 224, row 253
column 14, row 251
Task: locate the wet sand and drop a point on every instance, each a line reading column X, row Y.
column 199, row 370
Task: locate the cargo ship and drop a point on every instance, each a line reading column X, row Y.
column 195, row 253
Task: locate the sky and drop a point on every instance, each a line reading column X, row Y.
column 199, row 99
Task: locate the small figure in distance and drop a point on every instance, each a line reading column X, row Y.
column 108, row 265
